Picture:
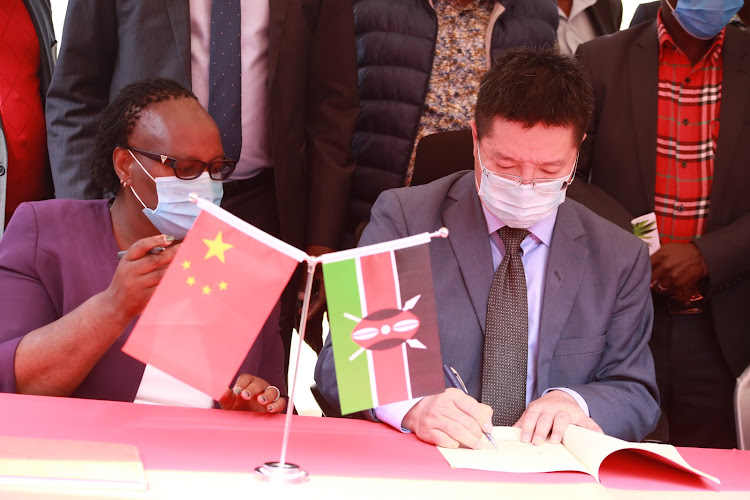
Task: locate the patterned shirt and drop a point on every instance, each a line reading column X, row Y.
column 459, row 63
column 687, row 128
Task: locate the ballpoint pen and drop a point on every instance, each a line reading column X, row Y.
column 154, row 250
column 455, row 379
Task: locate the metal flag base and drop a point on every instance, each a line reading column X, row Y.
column 281, row 472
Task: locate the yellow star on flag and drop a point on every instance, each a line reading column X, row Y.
column 190, row 281
column 186, row 264
column 206, row 290
column 223, row 285
column 216, row 247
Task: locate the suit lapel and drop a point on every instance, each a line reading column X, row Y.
column 471, row 245
column 735, row 85
column 179, row 17
column 602, row 18
column 644, row 87
column 278, row 10
column 567, row 258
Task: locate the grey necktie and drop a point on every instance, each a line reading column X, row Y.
column 224, row 82
column 506, row 339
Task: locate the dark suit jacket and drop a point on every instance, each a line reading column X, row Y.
column 620, row 152
column 596, row 310
column 312, row 95
column 645, row 12
column 606, row 16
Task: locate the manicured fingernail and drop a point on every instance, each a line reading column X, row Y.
column 168, row 239
column 269, row 408
column 245, row 395
column 487, row 427
column 262, row 399
column 237, row 389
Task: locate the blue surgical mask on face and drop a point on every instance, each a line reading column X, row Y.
column 175, row 213
column 704, row 19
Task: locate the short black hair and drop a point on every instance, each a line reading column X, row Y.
column 532, row 86
column 121, row 117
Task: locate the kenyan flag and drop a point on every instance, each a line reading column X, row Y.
column 381, row 308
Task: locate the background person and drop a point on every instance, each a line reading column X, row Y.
column 669, row 135
column 27, row 59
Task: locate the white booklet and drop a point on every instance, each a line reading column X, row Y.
column 581, row 450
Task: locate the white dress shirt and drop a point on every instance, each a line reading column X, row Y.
column 575, row 29
column 256, row 145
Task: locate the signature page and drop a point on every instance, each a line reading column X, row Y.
column 512, row 455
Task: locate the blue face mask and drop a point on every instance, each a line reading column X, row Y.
column 175, row 213
column 704, row 19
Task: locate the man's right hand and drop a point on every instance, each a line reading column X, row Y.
column 450, row 419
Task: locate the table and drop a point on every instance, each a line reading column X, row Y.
column 197, row 453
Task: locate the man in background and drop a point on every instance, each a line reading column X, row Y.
column 669, row 135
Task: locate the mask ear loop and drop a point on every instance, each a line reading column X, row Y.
column 573, row 173
column 149, row 175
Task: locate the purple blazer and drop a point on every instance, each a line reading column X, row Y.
column 54, row 255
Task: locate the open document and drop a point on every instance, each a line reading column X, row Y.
column 581, row 450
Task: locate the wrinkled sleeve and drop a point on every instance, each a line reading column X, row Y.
column 25, row 303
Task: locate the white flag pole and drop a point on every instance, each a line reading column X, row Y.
column 281, row 470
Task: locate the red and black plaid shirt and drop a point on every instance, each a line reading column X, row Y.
column 686, row 133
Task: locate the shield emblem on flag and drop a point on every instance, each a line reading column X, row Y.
column 381, row 309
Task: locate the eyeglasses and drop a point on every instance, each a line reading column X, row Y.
column 507, row 181
column 192, row 169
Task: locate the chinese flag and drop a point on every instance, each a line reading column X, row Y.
column 213, row 301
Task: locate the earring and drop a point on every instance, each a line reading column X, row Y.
column 124, row 183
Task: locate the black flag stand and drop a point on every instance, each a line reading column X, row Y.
column 282, row 471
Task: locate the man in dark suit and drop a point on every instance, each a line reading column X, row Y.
column 298, row 105
column 585, row 308
column 661, row 90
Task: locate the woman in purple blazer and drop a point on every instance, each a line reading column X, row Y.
column 67, row 303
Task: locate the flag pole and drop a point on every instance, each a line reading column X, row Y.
column 282, row 471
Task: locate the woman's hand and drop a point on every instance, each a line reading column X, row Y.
column 137, row 275
column 252, row 393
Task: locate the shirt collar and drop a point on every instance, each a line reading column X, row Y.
column 577, row 7
column 542, row 230
column 665, row 40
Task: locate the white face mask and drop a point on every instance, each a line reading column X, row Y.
column 175, row 213
column 519, row 206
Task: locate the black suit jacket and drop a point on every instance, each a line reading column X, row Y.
column 645, row 12
column 312, row 95
column 620, row 153
column 605, row 16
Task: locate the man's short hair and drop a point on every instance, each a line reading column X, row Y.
column 532, row 86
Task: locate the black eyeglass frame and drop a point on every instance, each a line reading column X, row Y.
column 173, row 164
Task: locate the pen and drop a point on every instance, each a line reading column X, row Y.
column 152, row 251
column 455, row 380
